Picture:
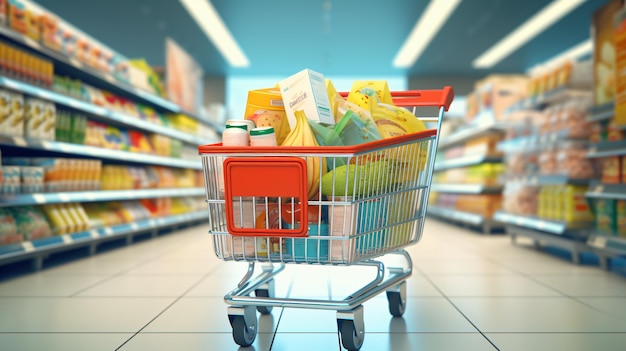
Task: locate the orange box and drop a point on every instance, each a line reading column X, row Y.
column 612, row 170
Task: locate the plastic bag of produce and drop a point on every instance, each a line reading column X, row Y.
column 31, row 223
column 8, row 229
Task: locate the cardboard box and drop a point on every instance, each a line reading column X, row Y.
column 34, row 118
column 605, row 215
column 496, row 93
column 306, row 91
column 611, row 170
column 602, row 32
column 620, row 67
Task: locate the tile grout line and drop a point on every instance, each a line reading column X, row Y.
column 164, row 310
column 459, row 310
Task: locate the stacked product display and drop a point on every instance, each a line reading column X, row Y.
column 91, row 149
column 468, row 182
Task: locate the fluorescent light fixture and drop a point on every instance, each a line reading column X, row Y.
column 435, row 15
column 525, row 32
column 214, row 28
column 574, row 52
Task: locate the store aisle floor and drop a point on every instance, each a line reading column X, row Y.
column 468, row 292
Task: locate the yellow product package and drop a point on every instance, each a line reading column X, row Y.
column 265, row 107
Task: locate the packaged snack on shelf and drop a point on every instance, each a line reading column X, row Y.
column 17, row 17
column 496, row 93
column 611, row 170
column 572, row 160
column 51, row 34
column 573, row 119
column 485, row 205
column 6, row 127
column 31, row 223
column 604, row 52
column 620, row 208
column 548, row 161
column 57, row 221
column 32, row 180
column 575, row 204
column 8, row 228
column 34, row 118
column 11, row 113
column 3, row 12
column 623, row 170
column 11, row 179
column 518, row 198
column 605, row 215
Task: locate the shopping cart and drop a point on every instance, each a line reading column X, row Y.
column 372, row 203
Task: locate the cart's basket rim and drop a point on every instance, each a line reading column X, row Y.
column 218, row 148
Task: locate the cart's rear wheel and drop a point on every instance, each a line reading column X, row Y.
column 243, row 334
column 397, row 305
column 263, row 293
column 351, row 338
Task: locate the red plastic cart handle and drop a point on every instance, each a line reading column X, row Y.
column 410, row 98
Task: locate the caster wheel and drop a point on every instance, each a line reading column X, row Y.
column 243, row 334
column 351, row 338
column 397, row 305
column 263, row 293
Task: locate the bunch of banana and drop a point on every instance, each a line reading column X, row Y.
column 302, row 135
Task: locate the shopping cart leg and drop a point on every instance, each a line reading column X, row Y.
column 396, row 297
column 244, row 323
column 266, row 290
column 351, row 328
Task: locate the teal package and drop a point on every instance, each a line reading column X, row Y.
column 372, row 216
column 308, row 249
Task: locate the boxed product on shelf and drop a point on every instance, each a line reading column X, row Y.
column 522, row 163
column 8, row 228
column 604, row 53
column 32, row 180
column 11, row 176
column 61, row 174
column 575, row 207
column 496, row 93
column 611, row 170
column 548, row 161
column 605, row 219
column 486, row 145
column 620, row 213
column 11, row 113
column 40, row 119
column 484, row 204
column 66, row 218
column 620, row 66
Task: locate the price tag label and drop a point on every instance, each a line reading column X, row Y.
column 64, row 197
column 152, row 223
column 28, row 246
column 39, row 198
column 32, row 43
column 90, row 195
column 519, row 221
column 75, row 62
column 109, row 78
column 108, row 231
column 73, row 103
column 593, row 150
column 94, row 233
column 66, row 239
column 599, row 242
column 134, row 226
column 541, row 225
column 599, row 189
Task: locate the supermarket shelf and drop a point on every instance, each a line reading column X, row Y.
column 97, row 152
column 37, row 249
column 103, row 113
column 106, row 80
column 535, row 142
column 606, row 149
column 473, row 219
column 555, row 179
column 552, row 227
column 93, row 196
column 576, row 245
column 469, row 133
column 614, row 244
column 466, row 188
column 554, row 96
column 601, row 113
column 465, row 161
column 607, row 191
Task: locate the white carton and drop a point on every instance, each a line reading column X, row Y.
column 306, row 91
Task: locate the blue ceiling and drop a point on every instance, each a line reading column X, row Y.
column 353, row 37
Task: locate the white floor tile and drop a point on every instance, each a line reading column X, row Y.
column 47, row 285
column 92, row 266
column 461, row 267
column 426, row 341
column 295, row 320
column 192, row 342
column 422, row 315
column 605, row 285
column 172, row 267
column 535, row 315
column 203, row 315
column 306, row 342
column 73, row 315
column 615, row 306
column 143, row 286
column 490, row 285
column 551, row 266
column 62, row 341
column 551, row 342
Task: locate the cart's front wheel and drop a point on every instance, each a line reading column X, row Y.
column 397, row 305
column 243, row 334
column 351, row 338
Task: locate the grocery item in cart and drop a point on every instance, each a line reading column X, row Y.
column 265, row 107
column 306, row 91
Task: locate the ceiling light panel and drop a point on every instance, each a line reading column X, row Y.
column 203, row 12
column 429, row 23
column 545, row 18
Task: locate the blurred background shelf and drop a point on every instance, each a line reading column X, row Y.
column 487, row 225
column 466, row 188
column 607, row 191
column 469, row 160
column 470, row 133
column 601, row 113
column 553, row 227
